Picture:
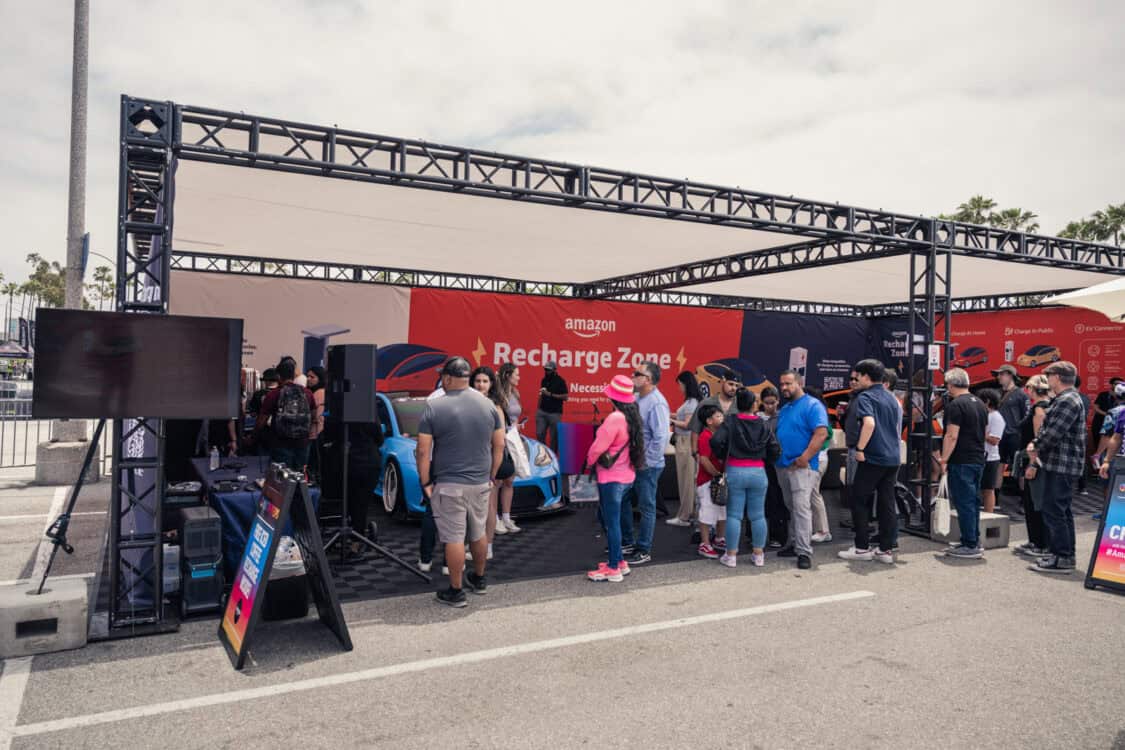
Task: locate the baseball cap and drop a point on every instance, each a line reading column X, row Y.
column 551, row 365
column 1010, row 369
column 456, row 367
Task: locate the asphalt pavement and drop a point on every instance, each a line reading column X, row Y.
column 927, row 653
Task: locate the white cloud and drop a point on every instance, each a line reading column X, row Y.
column 877, row 104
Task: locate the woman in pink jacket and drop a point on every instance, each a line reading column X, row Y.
column 617, row 448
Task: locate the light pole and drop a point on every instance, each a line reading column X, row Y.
column 76, row 199
column 74, row 431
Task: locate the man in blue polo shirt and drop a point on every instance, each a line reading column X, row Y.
column 877, row 456
column 802, row 428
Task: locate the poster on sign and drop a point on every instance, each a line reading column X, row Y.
column 590, row 340
column 1107, row 562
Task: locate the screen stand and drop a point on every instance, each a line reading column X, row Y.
column 345, row 533
column 56, row 532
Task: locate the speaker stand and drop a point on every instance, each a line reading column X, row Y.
column 345, row 533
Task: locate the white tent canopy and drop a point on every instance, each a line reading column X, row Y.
column 241, row 211
column 1107, row 298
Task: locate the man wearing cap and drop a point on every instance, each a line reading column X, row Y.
column 1014, row 406
column 460, row 446
column 552, row 395
column 656, row 424
column 1060, row 449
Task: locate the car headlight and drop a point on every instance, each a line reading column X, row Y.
column 544, row 458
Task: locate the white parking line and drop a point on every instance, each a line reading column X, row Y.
column 13, row 682
column 473, row 657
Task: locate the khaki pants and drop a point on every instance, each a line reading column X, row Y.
column 685, row 476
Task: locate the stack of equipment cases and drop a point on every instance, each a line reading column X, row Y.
column 201, row 556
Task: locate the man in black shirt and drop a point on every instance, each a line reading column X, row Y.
column 962, row 459
column 552, row 395
column 1014, row 406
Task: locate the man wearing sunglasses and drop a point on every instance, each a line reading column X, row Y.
column 656, row 426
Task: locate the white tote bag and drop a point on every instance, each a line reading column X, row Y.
column 516, row 450
column 942, row 511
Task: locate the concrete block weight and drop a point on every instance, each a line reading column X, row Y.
column 59, row 463
column 994, row 530
column 38, row 624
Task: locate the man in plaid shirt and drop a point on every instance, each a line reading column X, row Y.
column 1060, row 449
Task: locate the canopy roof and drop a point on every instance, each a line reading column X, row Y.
column 301, row 197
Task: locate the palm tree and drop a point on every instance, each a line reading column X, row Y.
column 976, row 210
column 1015, row 219
column 1111, row 222
column 1083, row 229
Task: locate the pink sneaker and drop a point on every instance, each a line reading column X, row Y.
column 706, row 550
column 624, row 568
column 605, row 573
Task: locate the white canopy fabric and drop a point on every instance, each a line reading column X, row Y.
column 1107, row 298
column 242, row 211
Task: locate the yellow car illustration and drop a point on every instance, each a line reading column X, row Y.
column 1040, row 354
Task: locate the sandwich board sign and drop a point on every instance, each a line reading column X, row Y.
column 285, row 497
column 1107, row 561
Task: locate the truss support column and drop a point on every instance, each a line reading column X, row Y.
column 144, row 238
column 928, row 324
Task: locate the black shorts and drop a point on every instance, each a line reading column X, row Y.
column 992, row 477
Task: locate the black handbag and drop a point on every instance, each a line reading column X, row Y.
column 507, row 468
column 719, row 483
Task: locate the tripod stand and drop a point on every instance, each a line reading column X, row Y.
column 345, row 533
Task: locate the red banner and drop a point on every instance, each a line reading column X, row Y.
column 591, row 341
column 1032, row 339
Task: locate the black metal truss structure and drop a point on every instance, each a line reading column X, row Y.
column 155, row 135
column 362, row 274
column 144, row 235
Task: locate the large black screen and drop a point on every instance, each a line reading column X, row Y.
column 119, row 365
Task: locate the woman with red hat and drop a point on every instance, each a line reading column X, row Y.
column 618, row 448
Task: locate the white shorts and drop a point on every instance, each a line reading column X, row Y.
column 709, row 513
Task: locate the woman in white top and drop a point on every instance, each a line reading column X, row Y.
column 685, row 452
column 507, row 381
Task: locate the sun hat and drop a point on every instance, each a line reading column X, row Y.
column 620, row 389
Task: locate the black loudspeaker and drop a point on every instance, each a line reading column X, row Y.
column 351, row 383
column 201, row 534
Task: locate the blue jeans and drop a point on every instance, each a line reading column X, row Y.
column 644, row 487
column 609, row 503
column 746, row 497
column 293, row 457
column 964, row 494
column 1058, row 516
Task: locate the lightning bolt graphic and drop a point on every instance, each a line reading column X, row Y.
column 681, row 359
column 479, row 352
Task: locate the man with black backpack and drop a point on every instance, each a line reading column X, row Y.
column 287, row 413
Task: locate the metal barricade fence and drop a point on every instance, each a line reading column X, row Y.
column 20, row 435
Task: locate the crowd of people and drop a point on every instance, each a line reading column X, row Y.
column 744, row 460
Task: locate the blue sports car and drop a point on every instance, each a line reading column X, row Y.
column 540, row 493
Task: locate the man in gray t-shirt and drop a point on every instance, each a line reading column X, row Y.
column 460, row 446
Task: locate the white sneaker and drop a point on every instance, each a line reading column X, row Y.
column 758, row 558
column 468, row 556
column 819, row 538
column 500, row 527
column 673, row 521
column 445, row 570
column 851, row 553
column 425, row 567
column 887, row 558
column 510, row 526
column 729, row 561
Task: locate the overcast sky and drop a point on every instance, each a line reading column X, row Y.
column 877, row 104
